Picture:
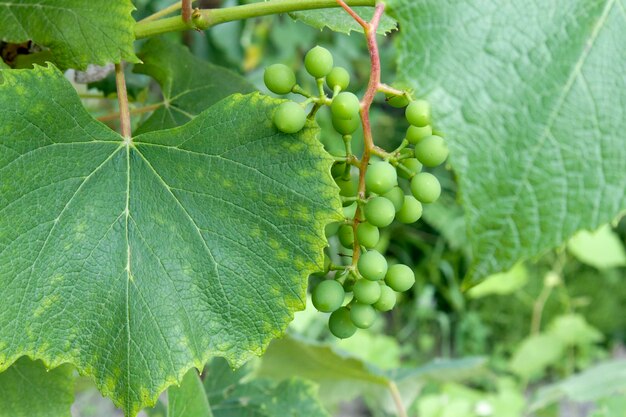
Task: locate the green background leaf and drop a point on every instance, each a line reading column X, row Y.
column 28, row 389
column 188, row 400
column 189, row 84
column 338, row 20
column 601, row 248
column 533, row 105
column 77, row 32
column 136, row 261
column 235, row 393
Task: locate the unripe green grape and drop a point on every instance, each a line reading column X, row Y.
column 415, row 134
column 379, row 211
column 345, row 106
column 362, row 315
column 412, row 165
column 366, row 292
column 340, row 323
column 418, row 113
column 347, row 188
column 411, row 210
column 349, row 211
column 318, row 62
column 328, row 296
column 431, row 151
column 367, row 235
column 279, row 78
column 400, row 277
column 387, row 299
column 338, row 169
column 396, row 196
column 425, row 187
column 346, row 236
column 372, row 265
column 338, row 77
column 346, row 126
column 397, row 101
column 380, row 177
column 332, row 229
column 289, row 117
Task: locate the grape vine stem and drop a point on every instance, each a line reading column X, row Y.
column 373, row 86
column 203, row 19
column 122, row 98
column 397, row 398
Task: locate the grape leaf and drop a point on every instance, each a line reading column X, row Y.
column 338, row 20
column 188, row 400
column 603, row 380
column 601, row 248
column 189, row 84
column 28, row 389
column 532, row 98
column 231, row 396
column 137, row 259
column 342, row 377
column 77, row 32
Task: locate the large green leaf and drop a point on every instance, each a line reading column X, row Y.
column 138, row 259
column 340, row 21
column 189, row 399
column 28, row 389
column 532, row 95
column 189, row 84
column 78, row 32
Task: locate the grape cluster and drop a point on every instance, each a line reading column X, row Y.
column 369, row 284
column 374, row 283
column 290, row 117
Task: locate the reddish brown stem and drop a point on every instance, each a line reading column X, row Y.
column 354, row 14
column 373, row 86
column 186, row 12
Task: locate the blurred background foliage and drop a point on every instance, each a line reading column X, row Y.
column 543, row 339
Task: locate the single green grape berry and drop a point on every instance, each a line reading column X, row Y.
column 425, row 187
column 366, row 291
column 387, row 299
column 332, row 229
column 279, row 78
column 318, row 62
column 400, row 277
column 398, row 101
column 379, row 211
column 362, row 315
column 411, row 210
column 345, row 106
column 340, row 323
column 414, row 134
column 346, row 236
column 380, row 177
column 372, row 265
column 418, row 113
column 289, row 117
column 328, row 296
column 367, row 235
column 346, row 126
column 349, row 211
column 412, row 165
column 338, row 169
column 347, row 188
column 396, row 196
column 431, row 151
column 338, row 77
